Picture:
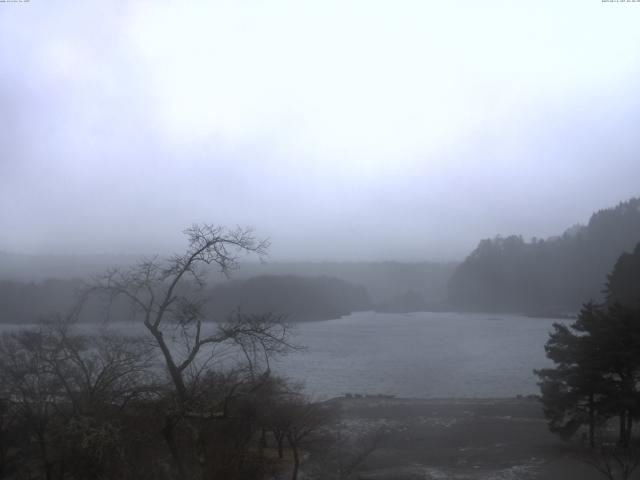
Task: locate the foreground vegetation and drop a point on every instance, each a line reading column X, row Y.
column 596, row 377
column 83, row 407
column 185, row 401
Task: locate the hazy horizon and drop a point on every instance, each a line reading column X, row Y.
column 269, row 258
column 357, row 131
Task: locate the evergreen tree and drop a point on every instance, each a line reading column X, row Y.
column 575, row 392
column 554, row 275
column 623, row 283
column 597, row 372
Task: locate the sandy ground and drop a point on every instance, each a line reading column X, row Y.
column 501, row 439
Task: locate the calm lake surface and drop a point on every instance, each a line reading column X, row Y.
column 416, row 355
column 420, row 355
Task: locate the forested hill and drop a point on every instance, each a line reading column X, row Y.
column 546, row 276
column 297, row 298
column 384, row 281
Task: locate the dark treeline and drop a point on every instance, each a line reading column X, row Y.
column 304, row 291
column 33, row 301
column 549, row 276
column 623, row 283
column 384, row 281
column 410, row 301
column 298, row 298
column 37, row 268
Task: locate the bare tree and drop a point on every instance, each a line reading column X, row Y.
column 167, row 297
column 105, row 369
column 65, row 390
column 30, row 391
column 165, row 294
column 299, row 420
column 343, row 453
column 351, row 454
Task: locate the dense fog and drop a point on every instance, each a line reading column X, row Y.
column 366, row 132
column 336, row 240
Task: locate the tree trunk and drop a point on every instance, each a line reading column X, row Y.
column 622, row 437
column 296, row 463
column 280, row 441
column 168, row 431
column 46, row 465
column 201, row 453
column 174, row 373
column 592, row 421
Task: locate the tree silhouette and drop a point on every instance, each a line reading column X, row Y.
column 167, row 297
column 623, row 283
column 597, row 362
column 551, row 276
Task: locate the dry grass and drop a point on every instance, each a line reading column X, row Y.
column 499, row 439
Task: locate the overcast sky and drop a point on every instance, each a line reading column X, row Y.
column 342, row 130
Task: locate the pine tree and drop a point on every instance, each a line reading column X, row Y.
column 623, row 283
column 597, row 372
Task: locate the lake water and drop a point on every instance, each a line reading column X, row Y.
column 425, row 355
column 417, row 355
